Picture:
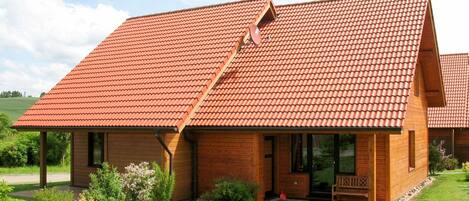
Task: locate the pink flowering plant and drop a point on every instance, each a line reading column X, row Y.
column 138, row 181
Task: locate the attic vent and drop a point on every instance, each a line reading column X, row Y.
column 255, row 34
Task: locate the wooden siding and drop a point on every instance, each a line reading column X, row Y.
column 229, row 155
column 182, row 165
column 461, row 141
column 295, row 185
column 123, row 148
column 462, row 146
column 81, row 171
column 402, row 178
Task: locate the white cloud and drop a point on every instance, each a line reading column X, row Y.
column 50, row 37
column 451, row 19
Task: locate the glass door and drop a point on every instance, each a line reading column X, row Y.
column 322, row 162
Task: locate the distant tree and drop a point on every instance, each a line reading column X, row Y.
column 42, row 94
column 16, row 94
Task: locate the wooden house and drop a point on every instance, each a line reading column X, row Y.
column 291, row 97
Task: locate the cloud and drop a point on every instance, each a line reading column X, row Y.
column 40, row 40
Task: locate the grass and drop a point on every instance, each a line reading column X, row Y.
column 449, row 185
column 28, row 187
column 33, row 170
column 15, row 107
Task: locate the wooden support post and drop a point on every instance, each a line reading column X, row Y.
column 72, row 159
column 372, row 166
column 42, row 159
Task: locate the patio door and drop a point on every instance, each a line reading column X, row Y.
column 322, row 162
column 329, row 155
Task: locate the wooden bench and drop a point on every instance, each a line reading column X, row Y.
column 350, row 186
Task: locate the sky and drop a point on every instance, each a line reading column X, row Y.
column 42, row 40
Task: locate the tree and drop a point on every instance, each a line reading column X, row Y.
column 42, row 94
column 5, row 124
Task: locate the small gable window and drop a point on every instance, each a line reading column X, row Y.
column 95, row 149
column 299, row 151
column 411, row 150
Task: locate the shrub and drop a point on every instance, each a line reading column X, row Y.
column 434, row 158
column 164, row 185
column 57, row 146
column 138, row 181
column 465, row 168
column 52, row 194
column 105, row 185
column 4, row 190
column 31, row 141
column 449, row 163
column 232, row 190
column 5, row 124
column 13, row 155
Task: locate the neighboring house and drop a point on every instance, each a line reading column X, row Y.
column 450, row 124
column 334, row 88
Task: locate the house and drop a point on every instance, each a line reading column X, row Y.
column 450, row 124
column 289, row 96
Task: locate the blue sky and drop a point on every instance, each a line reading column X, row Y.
column 42, row 40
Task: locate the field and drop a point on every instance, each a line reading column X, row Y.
column 15, row 107
column 449, row 186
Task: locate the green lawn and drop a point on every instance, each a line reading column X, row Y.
column 15, row 107
column 33, row 170
column 449, row 185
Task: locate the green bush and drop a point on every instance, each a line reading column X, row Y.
column 13, row 155
column 4, row 190
column 31, row 141
column 465, row 168
column 57, row 146
column 163, row 187
column 231, row 190
column 434, row 158
column 52, row 194
column 105, row 185
column 5, row 124
column 449, row 163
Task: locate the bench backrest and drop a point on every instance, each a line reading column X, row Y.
column 352, row 182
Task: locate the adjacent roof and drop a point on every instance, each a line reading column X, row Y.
column 342, row 63
column 150, row 72
column 456, row 82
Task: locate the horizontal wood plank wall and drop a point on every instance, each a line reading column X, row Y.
column 381, row 166
column 228, row 155
column 462, row 145
column 129, row 147
column 182, row 165
column 295, row 185
column 81, row 171
column 402, row 179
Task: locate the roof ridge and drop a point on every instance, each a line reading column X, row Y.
column 188, row 9
column 454, row 54
column 303, row 3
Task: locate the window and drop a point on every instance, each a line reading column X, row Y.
column 95, row 149
column 299, row 146
column 346, row 154
column 411, row 150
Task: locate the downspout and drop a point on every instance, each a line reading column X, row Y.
column 452, row 143
column 194, row 175
column 165, row 147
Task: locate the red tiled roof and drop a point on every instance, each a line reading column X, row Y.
column 455, row 70
column 150, row 72
column 342, row 63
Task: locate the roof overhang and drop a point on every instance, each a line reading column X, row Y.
column 92, row 128
column 429, row 58
column 292, row 130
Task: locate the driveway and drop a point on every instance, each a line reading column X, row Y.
column 34, row 178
